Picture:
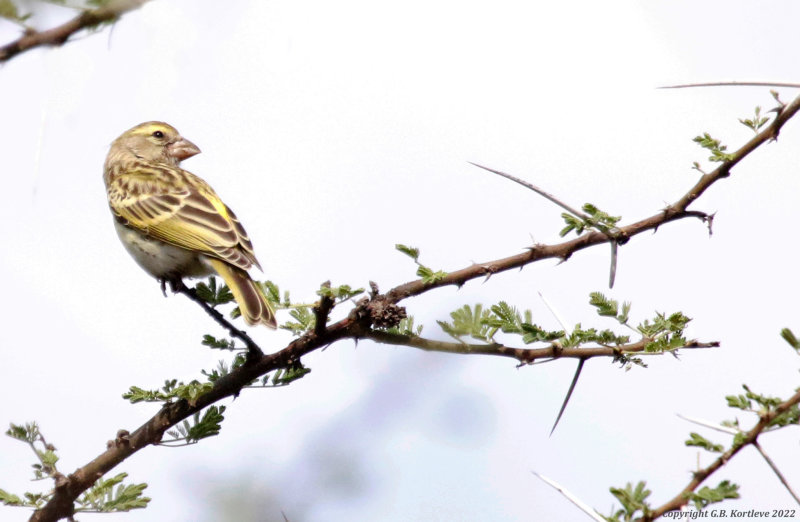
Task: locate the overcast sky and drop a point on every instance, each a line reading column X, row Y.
column 337, row 129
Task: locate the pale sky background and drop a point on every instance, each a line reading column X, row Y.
column 337, row 129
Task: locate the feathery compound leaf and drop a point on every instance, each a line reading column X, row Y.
column 790, row 338
column 136, row 394
column 10, row 499
column 304, row 321
column 789, row 417
column 533, row 334
column 405, row 327
column 411, row 252
column 701, row 442
column 192, row 391
column 718, row 153
column 102, row 497
column 221, row 370
column 572, row 223
column 605, row 307
column 219, row 344
column 10, row 11
column 506, row 318
column 633, row 500
column 36, row 500
column 756, row 122
column 273, row 293
column 429, row 276
column 199, row 428
column 468, row 321
column 29, row 432
column 739, row 401
column 212, row 294
column 339, row 293
column 208, row 425
column 665, row 343
column 171, row 389
column 599, row 219
column 705, row 495
column 595, row 219
column 285, row 376
column 609, row 307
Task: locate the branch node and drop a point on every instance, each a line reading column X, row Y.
column 323, row 308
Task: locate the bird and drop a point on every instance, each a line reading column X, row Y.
column 172, row 222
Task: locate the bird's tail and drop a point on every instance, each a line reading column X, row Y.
column 252, row 302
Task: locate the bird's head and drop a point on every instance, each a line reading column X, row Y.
column 154, row 141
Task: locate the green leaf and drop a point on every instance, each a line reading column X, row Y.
column 200, row 427
column 411, row 252
column 468, row 321
column 790, row 338
column 429, row 276
column 705, row 495
column 10, row 11
column 633, row 500
column 136, row 394
column 339, row 293
column 104, row 498
column 739, row 401
column 701, row 442
column 404, row 327
column 756, row 122
column 29, row 432
column 572, row 223
column 285, row 376
column 596, row 219
column 192, row 391
column 9, row 499
column 208, row 425
column 304, row 321
column 213, row 295
column 718, row 153
column 219, row 344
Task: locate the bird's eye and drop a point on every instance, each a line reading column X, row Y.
column 158, row 134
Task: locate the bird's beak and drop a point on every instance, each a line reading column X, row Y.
column 182, row 149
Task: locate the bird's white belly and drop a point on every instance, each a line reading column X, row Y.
column 159, row 259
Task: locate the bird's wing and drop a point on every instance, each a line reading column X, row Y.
column 188, row 214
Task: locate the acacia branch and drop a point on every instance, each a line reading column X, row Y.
column 382, row 310
column 58, row 35
column 253, row 349
column 523, row 355
column 750, row 438
column 675, row 211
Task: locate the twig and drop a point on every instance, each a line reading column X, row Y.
column 322, row 310
column 676, row 211
column 253, row 350
column 777, row 472
column 523, row 355
column 732, row 431
column 60, row 34
column 699, row 476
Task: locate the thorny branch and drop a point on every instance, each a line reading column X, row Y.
column 58, row 35
column 699, row 476
column 382, row 310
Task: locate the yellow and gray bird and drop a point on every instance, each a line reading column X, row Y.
column 172, row 222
